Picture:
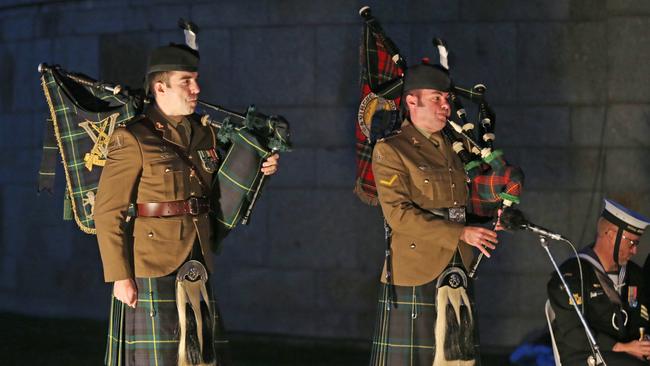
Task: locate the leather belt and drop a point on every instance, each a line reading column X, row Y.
column 191, row 206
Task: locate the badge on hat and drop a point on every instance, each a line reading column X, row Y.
column 209, row 159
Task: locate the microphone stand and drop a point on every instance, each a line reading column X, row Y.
column 597, row 356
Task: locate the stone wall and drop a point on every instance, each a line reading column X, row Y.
column 569, row 80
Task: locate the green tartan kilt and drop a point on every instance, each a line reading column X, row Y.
column 149, row 334
column 404, row 335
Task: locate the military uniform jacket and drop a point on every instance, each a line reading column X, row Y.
column 413, row 176
column 141, row 168
column 600, row 313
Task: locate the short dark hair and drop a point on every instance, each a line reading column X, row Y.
column 158, row 76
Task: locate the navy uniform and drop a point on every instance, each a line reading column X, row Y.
column 614, row 303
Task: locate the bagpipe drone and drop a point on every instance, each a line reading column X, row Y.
column 493, row 183
column 85, row 112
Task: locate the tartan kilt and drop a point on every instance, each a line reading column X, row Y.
column 404, row 335
column 149, row 334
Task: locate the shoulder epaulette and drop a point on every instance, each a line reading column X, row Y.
column 390, row 136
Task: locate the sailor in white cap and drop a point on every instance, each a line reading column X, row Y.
column 609, row 295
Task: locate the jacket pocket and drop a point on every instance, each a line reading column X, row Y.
column 156, row 228
column 434, row 184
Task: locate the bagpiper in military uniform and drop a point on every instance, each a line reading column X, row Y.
column 426, row 312
column 611, row 296
column 159, row 255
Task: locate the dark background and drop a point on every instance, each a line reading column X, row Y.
column 569, row 80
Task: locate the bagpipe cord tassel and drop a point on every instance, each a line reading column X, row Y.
column 450, row 330
column 196, row 346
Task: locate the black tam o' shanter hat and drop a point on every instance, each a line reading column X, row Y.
column 175, row 57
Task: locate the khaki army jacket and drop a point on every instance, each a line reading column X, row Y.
column 141, row 168
column 413, row 177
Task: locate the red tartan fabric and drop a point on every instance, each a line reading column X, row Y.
column 486, row 188
column 377, row 67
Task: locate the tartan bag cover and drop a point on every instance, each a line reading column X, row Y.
column 493, row 180
column 83, row 119
column 377, row 68
column 238, row 176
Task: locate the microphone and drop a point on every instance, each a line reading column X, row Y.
column 514, row 219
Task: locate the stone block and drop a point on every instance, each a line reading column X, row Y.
column 298, row 169
column 230, row 13
column 314, row 12
column 509, row 331
column 269, row 289
column 337, row 64
column 561, row 63
column 412, row 11
column 25, row 78
column 216, row 67
column 628, row 126
column 586, row 167
column 78, row 54
column 335, row 167
column 533, row 126
column 7, row 74
column 544, row 168
column 17, row 131
column 248, row 244
column 585, row 10
column 21, row 167
column 165, row 17
column 346, row 290
column 509, row 10
column 584, row 210
column 587, row 125
column 627, row 171
column 274, row 65
column 477, row 54
column 18, row 23
column 317, row 127
column 123, row 57
column 315, row 229
column 93, row 18
column 628, row 76
column 628, row 7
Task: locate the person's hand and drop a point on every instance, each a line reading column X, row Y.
column 270, row 165
column 126, row 292
column 638, row 349
column 479, row 237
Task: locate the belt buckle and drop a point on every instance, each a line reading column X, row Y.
column 193, row 205
column 457, row 214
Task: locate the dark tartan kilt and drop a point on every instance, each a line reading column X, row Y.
column 404, row 335
column 149, row 334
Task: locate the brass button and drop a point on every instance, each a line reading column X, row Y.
column 455, row 203
column 412, row 245
column 190, row 157
column 167, row 170
column 450, row 169
column 453, row 185
column 426, row 181
column 150, row 234
column 192, row 193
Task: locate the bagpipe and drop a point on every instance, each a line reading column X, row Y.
column 493, row 183
column 84, row 113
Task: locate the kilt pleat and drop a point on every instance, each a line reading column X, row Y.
column 404, row 332
column 149, row 334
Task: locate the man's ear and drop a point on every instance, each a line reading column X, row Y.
column 411, row 100
column 158, row 86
